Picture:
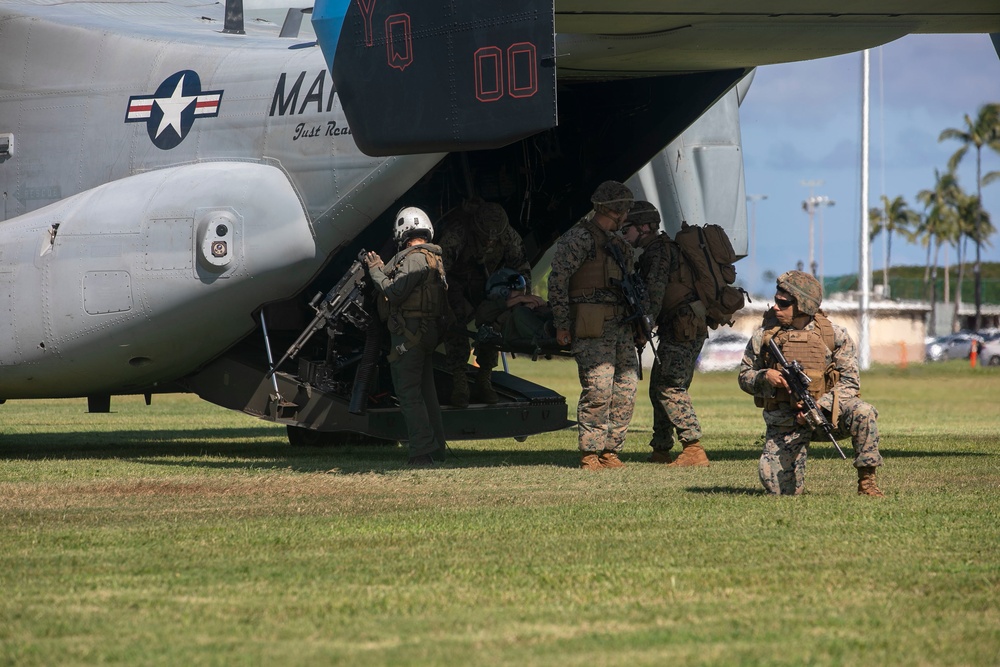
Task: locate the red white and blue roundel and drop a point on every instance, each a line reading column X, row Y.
column 170, row 112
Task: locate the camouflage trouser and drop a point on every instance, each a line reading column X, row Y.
column 783, row 462
column 673, row 370
column 609, row 376
column 456, row 338
column 413, row 380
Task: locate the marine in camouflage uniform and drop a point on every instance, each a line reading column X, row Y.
column 588, row 311
column 476, row 241
column 829, row 357
column 681, row 336
column 413, row 283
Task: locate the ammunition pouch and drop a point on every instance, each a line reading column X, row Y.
column 731, row 299
column 589, row 318
column 768, row 403
column 686, row 324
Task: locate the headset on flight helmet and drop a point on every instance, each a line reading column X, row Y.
column 504, row 281
column 410, row 222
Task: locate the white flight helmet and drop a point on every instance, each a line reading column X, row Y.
column 409, row 222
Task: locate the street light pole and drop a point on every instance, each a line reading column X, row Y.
column 809, row 206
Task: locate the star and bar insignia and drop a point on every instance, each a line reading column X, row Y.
column 170, row 112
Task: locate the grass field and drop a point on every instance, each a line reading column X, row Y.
column 184, row 534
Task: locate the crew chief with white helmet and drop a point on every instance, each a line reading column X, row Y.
column 413, row 286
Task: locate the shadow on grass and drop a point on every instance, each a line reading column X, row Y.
column 727, row 490
column 253, row 448
column 265, row 448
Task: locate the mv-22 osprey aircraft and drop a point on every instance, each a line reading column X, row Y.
column 180, row 177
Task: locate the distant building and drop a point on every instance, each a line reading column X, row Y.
column 897, row 330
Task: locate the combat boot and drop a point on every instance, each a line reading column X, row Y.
column 484, row 387
column 693, row 455
column 610, row 460
column 866, row 483
column 590, row 461
column 459, row 389
column 660, row 456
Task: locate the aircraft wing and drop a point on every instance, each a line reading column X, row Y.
column 655, row 37
column 419, row 79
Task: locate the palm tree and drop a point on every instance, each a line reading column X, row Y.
column 940, row 225
column 984, row 131
column 894, row 216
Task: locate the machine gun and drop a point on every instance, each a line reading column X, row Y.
column 798, row 384
column 344, row 302
column 634, row 291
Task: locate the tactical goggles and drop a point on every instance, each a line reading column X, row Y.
column 783, row 303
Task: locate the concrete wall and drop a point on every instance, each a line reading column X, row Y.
column 896, row 330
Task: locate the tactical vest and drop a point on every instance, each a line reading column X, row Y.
column 810, row 347
column 598, row 272
column 428, row 299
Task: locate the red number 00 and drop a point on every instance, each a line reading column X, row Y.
column 489, row 68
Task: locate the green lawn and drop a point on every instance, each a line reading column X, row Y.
column 181, row 533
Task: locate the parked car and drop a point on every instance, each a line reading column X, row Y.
column 722, row 352
column 989, row 335
column 989, row 354
column 952, row 346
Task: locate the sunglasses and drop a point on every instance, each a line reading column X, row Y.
column 783, row 303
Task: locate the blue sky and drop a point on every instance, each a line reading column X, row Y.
column 802, row 122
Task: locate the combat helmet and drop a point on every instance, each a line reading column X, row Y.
column 644, row 213
column 411, row 221
column 613, row 196
column 804, row 287
column 490, row 220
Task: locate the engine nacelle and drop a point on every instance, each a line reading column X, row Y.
column 112, row 287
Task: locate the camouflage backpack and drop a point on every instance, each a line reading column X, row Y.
column 709, row 276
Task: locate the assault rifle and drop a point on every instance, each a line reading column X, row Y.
column 798, row 384
column 634, row 291
column 344, row 302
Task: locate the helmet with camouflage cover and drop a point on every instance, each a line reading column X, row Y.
column 806, row 290
column 490, row 220
column 643, row 213
column 614, row 196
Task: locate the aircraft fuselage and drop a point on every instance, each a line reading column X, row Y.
column 130, row 157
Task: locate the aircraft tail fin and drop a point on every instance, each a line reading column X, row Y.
column 440, row 76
